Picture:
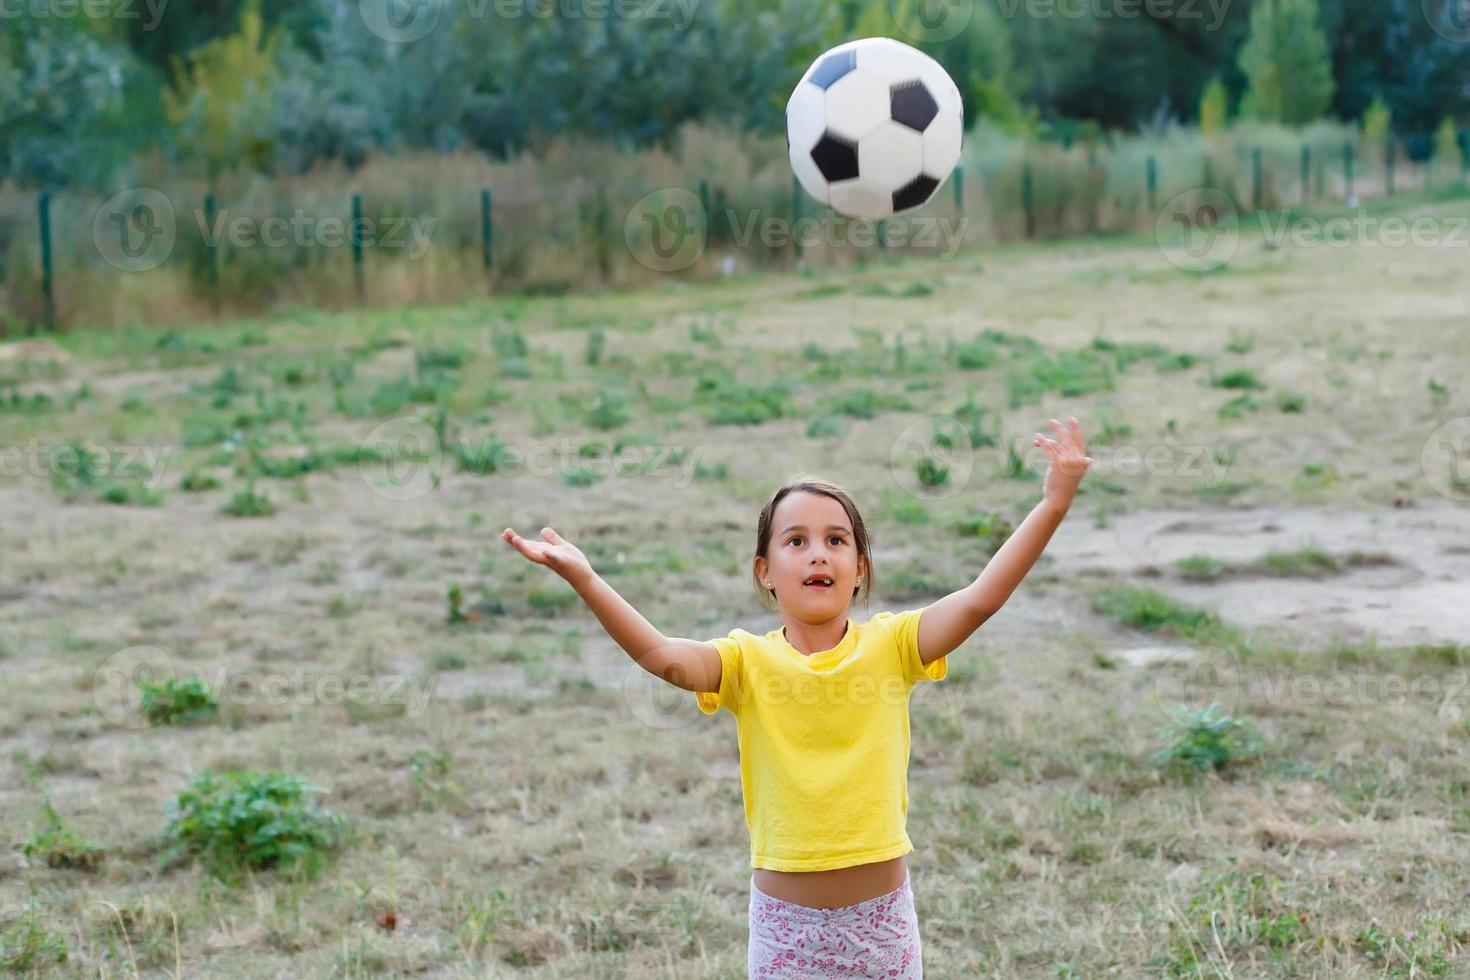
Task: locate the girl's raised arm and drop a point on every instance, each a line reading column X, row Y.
column 688, row 664
column 947, row 623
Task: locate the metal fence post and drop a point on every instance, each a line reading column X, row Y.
column 357, row 269
column 487, row 232
column 959, row 188
column 1390, row 157
column 1028, row 199
column 48, row 294
column 1306, row 173
column 1347, row 169
column 1257, row 178
column 1152, row 180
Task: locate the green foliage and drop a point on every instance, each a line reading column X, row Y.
column 1214, row 107
column 992, row 528
column 248, row 503
column 732, row 403
column 1148, row 609
column 1287, row 62
column 196, row 482
column 610, row 410
column 1200, row 568
column 824, row 427
column 1448, row 153
column 242, row 819
column 1377, row 122
column 484, row 457
column 178, row 702
column 1209, row 741
column 28, row 945
column 1238, row 378
column 220, row 94
column 57, row 845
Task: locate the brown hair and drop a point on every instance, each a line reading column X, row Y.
column 811, row 484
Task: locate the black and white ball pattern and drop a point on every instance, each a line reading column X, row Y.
column 874, row 128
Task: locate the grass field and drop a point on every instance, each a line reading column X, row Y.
column 1220, row 731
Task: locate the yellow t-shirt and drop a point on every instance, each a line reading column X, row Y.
column 824, row 741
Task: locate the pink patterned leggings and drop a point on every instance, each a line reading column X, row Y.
column 876, row 938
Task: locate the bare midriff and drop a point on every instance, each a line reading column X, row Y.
column 833, row 889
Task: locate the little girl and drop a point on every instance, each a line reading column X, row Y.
column 821, row 707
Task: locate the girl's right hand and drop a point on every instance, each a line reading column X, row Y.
column 556, row 552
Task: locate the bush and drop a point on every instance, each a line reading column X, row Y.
column 178, row 702
column 1210, row 742
column 242, row 819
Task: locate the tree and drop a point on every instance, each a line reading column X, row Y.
column 977, row 57
column 1377, row 122
column 1409, row 51
column 216, row 86
column 64, row 103
column 1286, row 64
column 1214, row 107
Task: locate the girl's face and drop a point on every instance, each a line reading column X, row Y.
column 811, row 537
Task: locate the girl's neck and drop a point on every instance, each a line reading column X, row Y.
column 810, row 638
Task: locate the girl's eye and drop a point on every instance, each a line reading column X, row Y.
column 794, row 540
column 837, row 538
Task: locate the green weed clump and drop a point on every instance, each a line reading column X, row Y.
column 242, row 819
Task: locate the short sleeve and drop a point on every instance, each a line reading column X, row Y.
column 905, row 628
column 728, row 696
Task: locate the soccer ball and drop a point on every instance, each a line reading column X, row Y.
column 874, row 128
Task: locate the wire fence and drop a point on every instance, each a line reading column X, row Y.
column 146, row 255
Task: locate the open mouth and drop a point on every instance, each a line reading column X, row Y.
column 819, row 582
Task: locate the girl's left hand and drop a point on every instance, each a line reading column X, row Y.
column 1069, row 463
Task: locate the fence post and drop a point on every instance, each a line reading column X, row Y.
column 1209, row 174
column 1347, row 170
column 357, row 270
column 1257, row 178
column 1095, row 194
column 796, row 216
column 1390, row 157
column 487, row 230
column 211, row 255
column 882, row 236
column 1306, row 174
column 47, row 284
column 48, row 293
column 1153, row 183
column 704, row 207
column 604, row 260
column 959, row 188
column 1028, row 199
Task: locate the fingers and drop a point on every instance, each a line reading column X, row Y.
column 531, row 550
